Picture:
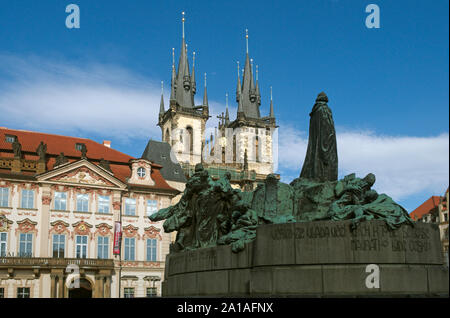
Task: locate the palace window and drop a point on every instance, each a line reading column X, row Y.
column 4, row 197
column 128, row 292
column 25, row 244
column 23, row 292
column 151, row 250
column 129, row 249
column 3, row 243
column 59, row 243
column 103, row 203
column 130, row 206
column 152, row 207
column 141, row 172
column 61, row 201
column 27, row 199
column 81, row 246
column 102, row 247
column 83, row 202
column 151, row 292
column 2, row 292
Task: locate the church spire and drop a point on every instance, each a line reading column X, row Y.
column 184, row 89
column 271, row 114
column 258, row 95
column 238, row 87
column 173, row 83
column 194, row 89
column 227, row 115
column 205, row 95
column 247, row 99
column 161, row 104
column 182, row 22
column 246, row 41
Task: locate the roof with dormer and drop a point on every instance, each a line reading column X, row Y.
column 119, row 162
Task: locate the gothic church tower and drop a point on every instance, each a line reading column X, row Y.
column 183, row 124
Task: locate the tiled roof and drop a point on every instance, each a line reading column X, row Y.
column 425, row 207
column 119, row 162
column 57, row 144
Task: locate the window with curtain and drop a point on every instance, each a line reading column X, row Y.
column 3, row 243
column 129, row 248
column 102, row 247
column 27, row 199
column 23, row 292
column 128, row 292
column 130, row 206
column 59, row 243
column 151, row 250
column 25, row 244
column 152, row 207
column 103, row 203
column 83, row 202
column 61, row 201
column 4, row 197
column 151, row 292
column 81, row 246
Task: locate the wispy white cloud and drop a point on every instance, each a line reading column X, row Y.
column 403, row 165
column 95, row 98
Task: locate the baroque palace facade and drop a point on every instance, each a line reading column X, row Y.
column 61, row 199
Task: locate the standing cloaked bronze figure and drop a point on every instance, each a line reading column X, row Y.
column 321, row 162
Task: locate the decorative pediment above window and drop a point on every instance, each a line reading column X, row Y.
column 152, row 232
column 59, row 227
column 4, row 223
column 130, row 231
column 26, row 226
column 103, row 229
column 141, row 171
column 82, row 228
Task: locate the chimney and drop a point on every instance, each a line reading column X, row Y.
column 107, row 143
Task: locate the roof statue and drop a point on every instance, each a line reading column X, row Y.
column 17, row 148
column 105, row 164
column 83, row 151
column 61, row 159
column 212, row 213
column 41, row 151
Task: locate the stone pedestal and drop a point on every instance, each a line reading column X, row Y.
column 316, row 259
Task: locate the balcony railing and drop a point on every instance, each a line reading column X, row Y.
column 54, row 262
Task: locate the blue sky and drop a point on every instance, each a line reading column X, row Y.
column 388, row 87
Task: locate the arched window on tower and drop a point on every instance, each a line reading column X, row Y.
column 167, row 136
column 190, row 135
column 234, row 148
column 256, row 149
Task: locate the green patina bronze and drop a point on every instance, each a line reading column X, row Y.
column 212, row 213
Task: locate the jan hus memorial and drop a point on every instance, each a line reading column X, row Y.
column 315, row 237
